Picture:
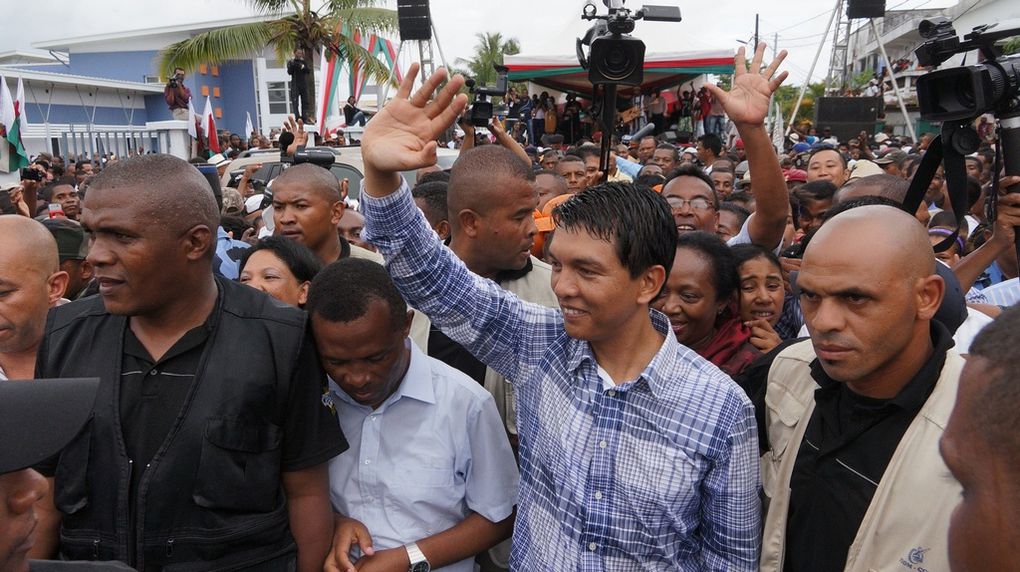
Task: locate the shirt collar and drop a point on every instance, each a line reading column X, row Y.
column 656, row 374
column 416, row 384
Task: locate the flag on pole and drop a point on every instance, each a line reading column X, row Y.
column 192, row 121
column 248, row 127
column 17, row 157
column 209, row 126
column 20, row 109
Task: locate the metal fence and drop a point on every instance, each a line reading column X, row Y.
column 84, row 142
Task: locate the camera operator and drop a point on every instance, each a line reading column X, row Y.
column 177, row 96
column 298, row 70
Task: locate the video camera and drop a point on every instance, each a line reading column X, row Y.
column 320, row 157
column 481, row 108
column 956, row 97
column 966, row 92
column 615, row 58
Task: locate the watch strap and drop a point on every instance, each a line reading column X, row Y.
column 414, row 554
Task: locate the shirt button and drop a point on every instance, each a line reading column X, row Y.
column 154, row 372
column 598, row 495
column 592, row 546
column 611, row 393
column 368, row 461
column 602, row 444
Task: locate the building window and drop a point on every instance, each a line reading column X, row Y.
column 216, row 70
column 153, row 79
column 218, row 112
column 203, row 69
column 205, row 90
column 273, row 63
column 279, row 100
column 215, row 91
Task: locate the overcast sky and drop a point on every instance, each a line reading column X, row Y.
column 543, row 27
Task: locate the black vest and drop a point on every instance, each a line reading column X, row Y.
column 212, row 496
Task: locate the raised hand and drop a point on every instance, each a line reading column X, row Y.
column 402, row 136
column 747, row 102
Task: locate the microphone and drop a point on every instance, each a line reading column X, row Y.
column 640, row 133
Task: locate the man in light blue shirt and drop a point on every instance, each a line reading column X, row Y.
column 430, row 477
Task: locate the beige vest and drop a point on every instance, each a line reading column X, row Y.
column 906, row 527
column 534, row 287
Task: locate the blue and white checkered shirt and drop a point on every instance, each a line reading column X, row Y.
column 1005, row 293
column 660, row 473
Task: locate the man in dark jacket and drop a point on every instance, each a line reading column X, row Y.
column 298, row 69
column 209, row 441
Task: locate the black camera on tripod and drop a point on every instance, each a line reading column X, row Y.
column 966, row 92
column 481, row 110
column 614, row 56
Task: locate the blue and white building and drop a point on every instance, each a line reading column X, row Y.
column 104, row 93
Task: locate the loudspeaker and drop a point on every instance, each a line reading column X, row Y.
column 865, row 9
column 414, row 20
column 847, row 116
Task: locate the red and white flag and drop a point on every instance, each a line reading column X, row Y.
column 209, row 126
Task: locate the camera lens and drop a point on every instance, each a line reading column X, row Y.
column 619, row 63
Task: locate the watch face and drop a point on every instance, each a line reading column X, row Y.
column 421, row 567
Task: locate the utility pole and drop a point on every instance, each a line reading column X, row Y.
column 756, row 32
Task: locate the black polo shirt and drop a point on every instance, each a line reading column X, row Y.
column 847, row 446
column 444, row 349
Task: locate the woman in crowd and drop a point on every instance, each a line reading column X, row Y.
column 280, row 267
column 761, row 293
column 700, row 303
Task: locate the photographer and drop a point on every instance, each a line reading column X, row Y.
column 177, row 96
column 298, row 70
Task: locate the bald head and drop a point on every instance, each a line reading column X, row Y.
column 888, row 235
column 478, row 178
column 171, row 191
column 869, row 292
column 27, row 243
column 888, row 186
column 312, row 178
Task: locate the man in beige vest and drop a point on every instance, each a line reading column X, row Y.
column 981, row 447
column 853, row 477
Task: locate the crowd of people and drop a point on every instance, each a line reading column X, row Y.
column 707, row 355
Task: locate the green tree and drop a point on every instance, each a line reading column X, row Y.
column 1012, row 46
column 289, row 24
column 489, row 51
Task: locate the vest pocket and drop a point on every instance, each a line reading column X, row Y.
column 240, row 465
column 71, row 480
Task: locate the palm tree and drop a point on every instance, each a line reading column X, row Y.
column 489, row 50
column 290, row 24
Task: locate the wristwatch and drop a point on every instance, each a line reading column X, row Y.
column 418, row 561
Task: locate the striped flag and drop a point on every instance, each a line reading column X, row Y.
column 248, row 127
column 209, row 126
column 328, row 96
column 20, row 109
column 17, row 157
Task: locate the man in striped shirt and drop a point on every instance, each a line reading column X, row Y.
column 635, row 452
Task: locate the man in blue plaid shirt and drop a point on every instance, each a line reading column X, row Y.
column 636, row 453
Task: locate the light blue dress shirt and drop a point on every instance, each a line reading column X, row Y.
column 432, row 453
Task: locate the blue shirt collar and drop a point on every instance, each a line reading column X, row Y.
column 656, row 374
column 416, row 384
